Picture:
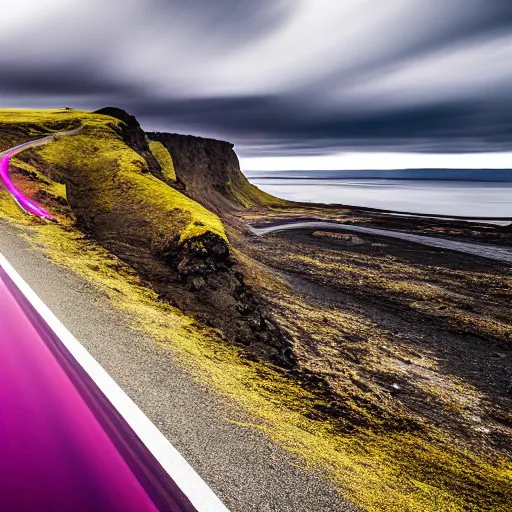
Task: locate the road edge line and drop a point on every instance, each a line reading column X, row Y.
column 191, row 484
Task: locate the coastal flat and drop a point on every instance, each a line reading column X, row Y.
column 417, row 337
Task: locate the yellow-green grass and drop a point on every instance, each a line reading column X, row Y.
column 44, row 117
column 249, row 195
column 408, row 283
column 398, row 472
column 114, row 172
column 32, row 123
column 164, row 158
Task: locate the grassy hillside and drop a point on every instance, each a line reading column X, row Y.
column 104, row 176
column 97, row 183
column 164, row 159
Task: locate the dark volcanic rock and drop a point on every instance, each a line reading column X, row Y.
column 134, row 136
column 201, row 255
column 208, row 170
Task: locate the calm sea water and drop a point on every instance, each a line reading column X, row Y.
column 464, row 198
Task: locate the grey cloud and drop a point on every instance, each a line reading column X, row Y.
column 242, row 20
column 277, row 76
column 278, row 127
column 436, row 26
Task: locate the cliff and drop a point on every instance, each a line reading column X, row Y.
column 208, row 171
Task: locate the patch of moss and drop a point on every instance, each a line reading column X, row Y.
column 164, row 158
column 249, row 195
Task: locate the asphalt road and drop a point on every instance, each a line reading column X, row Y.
column 242, row 466
column 493, row 252
column 63, row 446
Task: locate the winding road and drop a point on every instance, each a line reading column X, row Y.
column 5, row 161
column 492, row 252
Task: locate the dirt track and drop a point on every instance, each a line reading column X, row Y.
column 492, row 252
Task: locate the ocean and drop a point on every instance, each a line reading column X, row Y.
column 461, row 197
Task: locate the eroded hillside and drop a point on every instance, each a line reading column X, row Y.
column 208, row 171
column 283, row 326
column 106, row 182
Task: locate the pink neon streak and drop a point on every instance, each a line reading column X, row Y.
column 24, row 202
column 63, row 447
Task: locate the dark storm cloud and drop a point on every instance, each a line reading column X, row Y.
column 275, row 76
column 277, row 127
column 55, row 79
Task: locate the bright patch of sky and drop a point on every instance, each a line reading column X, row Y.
column 380, row 161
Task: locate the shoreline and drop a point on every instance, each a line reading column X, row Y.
column 367, row 209
column 385, row 211
column 348, row 178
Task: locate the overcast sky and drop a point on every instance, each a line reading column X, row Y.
column 279, row 78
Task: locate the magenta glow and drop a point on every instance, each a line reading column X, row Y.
column 23, row 201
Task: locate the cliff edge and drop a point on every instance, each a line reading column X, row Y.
column 208, row 171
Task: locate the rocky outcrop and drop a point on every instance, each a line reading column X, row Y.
column 216, row 293
column 208, row 171
column 201, row 256
column 133, row 136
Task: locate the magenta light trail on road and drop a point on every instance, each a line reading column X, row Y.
column 23, row 201
column 63, row 446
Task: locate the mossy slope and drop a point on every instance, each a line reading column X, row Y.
column 108, row 182
column 112, row 192
column 164, row 159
